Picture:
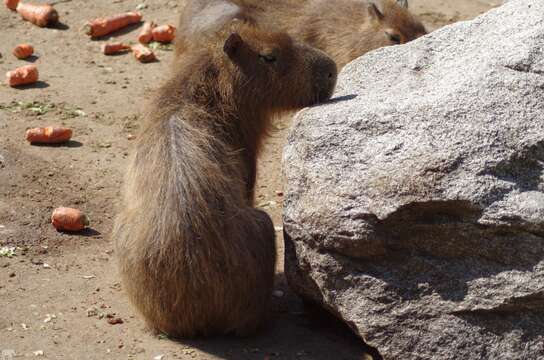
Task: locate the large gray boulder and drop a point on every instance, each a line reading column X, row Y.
column 414, row 206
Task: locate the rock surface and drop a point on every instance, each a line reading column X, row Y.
column 414, row 206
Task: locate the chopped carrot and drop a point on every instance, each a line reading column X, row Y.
column 38, row 14
column 11, row 4
column 22, row 75
column 69, row 219
column 23, row 51
column 143, row 54
column 146, row 34
column 48, row 135
column 164, row 33
column 103, row 26
column 115, row 48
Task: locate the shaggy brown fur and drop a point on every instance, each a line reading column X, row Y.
column 195, row 257
column 344, row 29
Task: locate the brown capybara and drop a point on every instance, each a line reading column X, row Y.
column 195, row 257
column 344, row 29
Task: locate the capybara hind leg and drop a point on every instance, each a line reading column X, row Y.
column 261, row 242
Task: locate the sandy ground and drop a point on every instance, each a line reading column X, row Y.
column 57, row 292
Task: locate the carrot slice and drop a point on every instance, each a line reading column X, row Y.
column 104, row 26
column 115, row 48
column 38, row 14
column 23, row 51
column 143, row 54
column 11, row 4
column 48, row 135
column 69, row 219
column 146, row 35
column 22, row 76
column 164, row 33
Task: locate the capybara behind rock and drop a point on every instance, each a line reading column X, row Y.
column 347, row 29
column 195, row 258
column 344, row 29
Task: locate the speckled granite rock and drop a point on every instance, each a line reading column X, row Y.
column 414, row 206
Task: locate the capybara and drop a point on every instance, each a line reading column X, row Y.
column 195, row 257
column 344, row 29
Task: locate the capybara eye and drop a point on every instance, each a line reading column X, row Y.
column 267, row 58
column 395, row 38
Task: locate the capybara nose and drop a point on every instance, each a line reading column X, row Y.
column 327, row 74
column 323, row 73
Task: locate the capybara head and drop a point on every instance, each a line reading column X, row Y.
column 397, row 24
column 347, row 29
column 268, row 70
column 276, row 72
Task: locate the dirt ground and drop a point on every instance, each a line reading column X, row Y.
column 58, row 290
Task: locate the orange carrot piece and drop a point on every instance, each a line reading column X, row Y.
column 11, row 4
column 146, row 35
column 22, row 75
column 48, row 135
column 39, row 14
column 143, row 54
column 69, row 219
column 164, row 33
column 23, row 51
column 115, row 48
column 103, row 26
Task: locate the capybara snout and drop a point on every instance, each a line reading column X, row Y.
column 324, row 72
column 319, row 72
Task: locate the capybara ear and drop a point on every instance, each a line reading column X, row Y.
column 374, row 12
column 403, row 3
column 207, row 17
column 232, row 44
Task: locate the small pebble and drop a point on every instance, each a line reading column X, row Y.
column 49, row 317
column 92, row 311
